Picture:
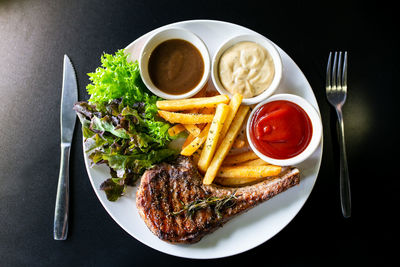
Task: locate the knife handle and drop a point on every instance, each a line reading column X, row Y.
column 62, row 198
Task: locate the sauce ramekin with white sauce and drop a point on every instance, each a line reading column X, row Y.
column 246, row 68
column 248, row 64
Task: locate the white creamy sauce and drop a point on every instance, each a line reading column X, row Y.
column 246, row 68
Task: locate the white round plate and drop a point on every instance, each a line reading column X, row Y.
column 251, row 228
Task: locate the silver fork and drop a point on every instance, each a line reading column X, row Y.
column 336, row 92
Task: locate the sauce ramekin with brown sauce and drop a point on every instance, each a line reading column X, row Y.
column 174, row 63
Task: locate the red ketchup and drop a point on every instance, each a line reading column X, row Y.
column 280, row 129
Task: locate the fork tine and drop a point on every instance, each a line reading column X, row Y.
column 334, row 84
column 339, row 72
column 328, row 72
column 344, row 82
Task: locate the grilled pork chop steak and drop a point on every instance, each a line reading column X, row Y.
column 166, row 189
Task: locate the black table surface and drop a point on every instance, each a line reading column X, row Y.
column 34, row 36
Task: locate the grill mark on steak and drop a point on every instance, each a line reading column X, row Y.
column 166, row 188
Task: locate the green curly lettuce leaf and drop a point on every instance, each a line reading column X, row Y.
column 117, row 78
column 120, row 123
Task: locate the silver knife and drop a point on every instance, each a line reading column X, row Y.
column 67, row 118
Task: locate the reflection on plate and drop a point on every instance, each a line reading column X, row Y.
column 247, row 230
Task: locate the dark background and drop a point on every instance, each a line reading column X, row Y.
column 34, row 36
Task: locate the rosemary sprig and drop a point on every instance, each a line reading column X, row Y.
column 218, row 203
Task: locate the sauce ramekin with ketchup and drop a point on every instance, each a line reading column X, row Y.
column 284, row 129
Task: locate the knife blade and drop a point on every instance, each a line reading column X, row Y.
column 69, row 97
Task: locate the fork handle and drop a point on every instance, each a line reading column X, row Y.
column 345, row 195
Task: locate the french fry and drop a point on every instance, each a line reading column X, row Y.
column 210, row 93
column 174, row 130
column 254, row 162
column 188, row 140
column 201, row 93
column 207, row 111
column 196, row 156
column 234, row 104
column 213, row 137
column 249, row 171
column 192, row 128
column 190, row 103
column 238, row 158
column 184, row 118
column 239, row 143
column 196, row 143
column 233, row 181
column 226, row 145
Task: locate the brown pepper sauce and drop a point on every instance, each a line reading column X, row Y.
column 176, row 66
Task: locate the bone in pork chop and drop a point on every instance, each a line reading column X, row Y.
column 178, row 208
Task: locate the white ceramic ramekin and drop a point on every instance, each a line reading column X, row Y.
column 162, row 36
column 264, row 42
column 316, row 130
